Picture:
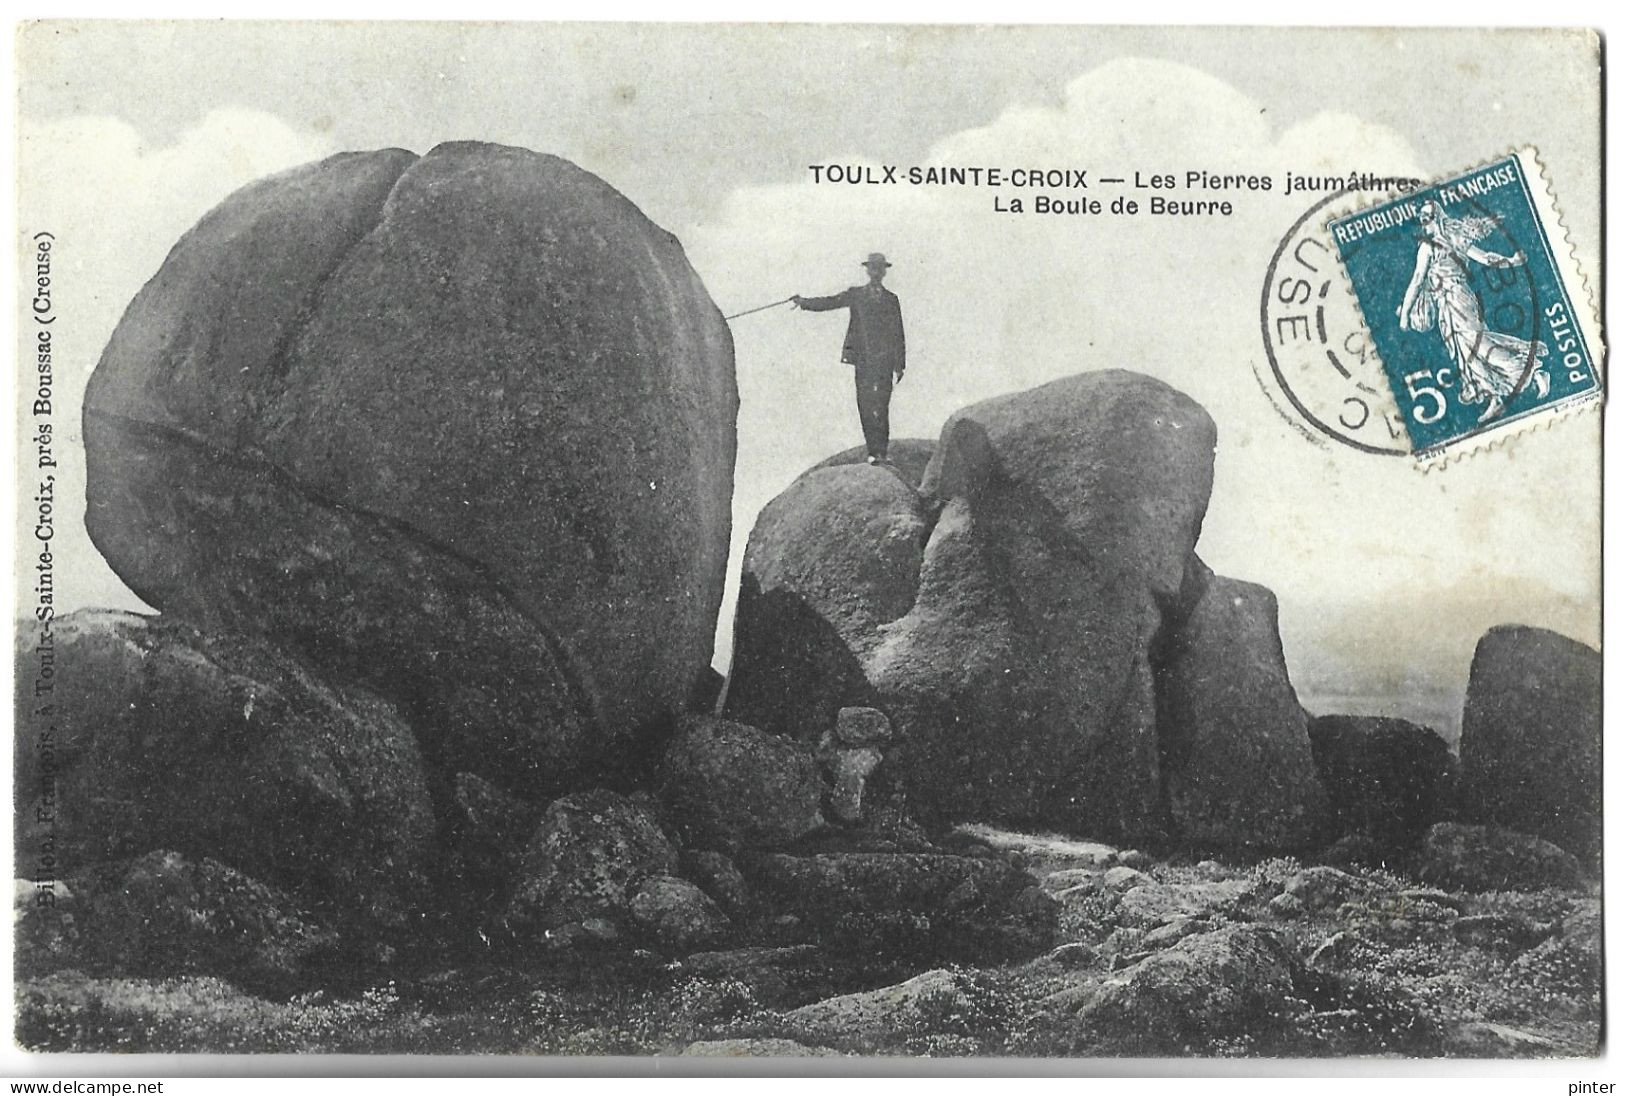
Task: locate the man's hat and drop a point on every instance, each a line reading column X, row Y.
column 876, row 259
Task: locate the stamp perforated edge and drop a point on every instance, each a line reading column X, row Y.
column 1570, row 274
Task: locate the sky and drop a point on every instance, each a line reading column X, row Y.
column 1386, row 576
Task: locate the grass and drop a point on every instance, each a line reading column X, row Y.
column 1401, row 983
column 71, row 1012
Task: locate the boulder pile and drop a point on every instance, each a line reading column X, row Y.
column 427, row 464
column 1035, row 624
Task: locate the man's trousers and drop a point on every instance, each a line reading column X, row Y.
column 874, row 407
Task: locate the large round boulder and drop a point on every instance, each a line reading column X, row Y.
column 1237, row 760
column 1385, row 778
column 458, row 426
column 217, row 747
column 1531, row 738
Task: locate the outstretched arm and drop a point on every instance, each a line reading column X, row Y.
column 820, row 304
column 1411, row 290
column 1490, row 258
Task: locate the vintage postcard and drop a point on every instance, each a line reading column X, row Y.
column 808, row 541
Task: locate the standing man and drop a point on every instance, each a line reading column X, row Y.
column 873, row 347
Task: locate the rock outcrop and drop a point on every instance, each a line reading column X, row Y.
column 756, row 1048
column 718, row 876
column 849, row 770
column 1151, row 904
column 164, row 915
column 457, row 427
column 1487, row 858
column 1323, row 887
column 218, row 747
column 590, row 854
column 1237, row 762
column 1084, row 498
column 916, row 903
column 729, row 786
column 1235, row 981
column 676, row 912
column 850, row 753
column 773, row 974
column 1531, row 739
column 1005, row 616
column 1036, row 626
column 1385, row 778
column 864, row 1021
column 1479, row 1039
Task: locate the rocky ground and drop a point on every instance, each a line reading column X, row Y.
column 1150, row 957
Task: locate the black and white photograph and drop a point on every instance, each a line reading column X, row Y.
column 793, row 542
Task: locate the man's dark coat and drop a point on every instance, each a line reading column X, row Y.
column 874, row 333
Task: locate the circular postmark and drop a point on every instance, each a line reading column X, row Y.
column 1376, row 386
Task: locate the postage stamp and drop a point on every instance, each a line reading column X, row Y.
column 1473, row 304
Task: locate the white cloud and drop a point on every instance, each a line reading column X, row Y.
column 128, row 203
column 117, row 206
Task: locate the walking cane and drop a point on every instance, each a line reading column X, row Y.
column 759, row 308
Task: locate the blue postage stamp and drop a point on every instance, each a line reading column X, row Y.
column 1479, row 321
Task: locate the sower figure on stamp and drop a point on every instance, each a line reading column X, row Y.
column 874, row 348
